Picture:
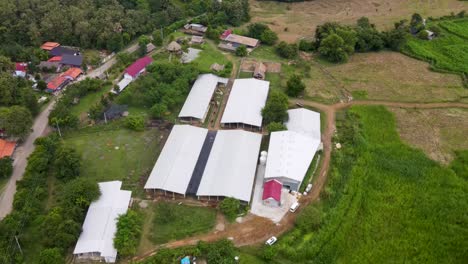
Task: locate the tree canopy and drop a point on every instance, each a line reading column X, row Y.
column 276, row 108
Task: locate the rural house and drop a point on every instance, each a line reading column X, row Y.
column 133, row 71
column 195, row 29
column 272, row 193
column 259, row 71
column 21, row 69
column 230, row 42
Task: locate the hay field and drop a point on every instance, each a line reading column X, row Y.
column 300, row 19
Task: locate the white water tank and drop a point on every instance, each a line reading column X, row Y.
column 264, row 153
column 263, row 160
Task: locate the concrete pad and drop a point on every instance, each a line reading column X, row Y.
column 275, row 214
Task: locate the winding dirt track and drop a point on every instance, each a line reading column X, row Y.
column 256, row 229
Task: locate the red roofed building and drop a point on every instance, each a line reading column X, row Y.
column 272, row 193
column 138, row 67
column 72, row 73
column 225, row 34
column 49, row 45
column 55, row 59
column 20, row 69
column 57, row 83
column 7, row 148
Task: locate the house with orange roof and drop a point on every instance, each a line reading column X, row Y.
column 49, row 45
column 72, row 73
column 7, row 148
column 57, row 83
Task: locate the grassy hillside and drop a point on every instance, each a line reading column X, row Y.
column 385, row 202
column 448, row 52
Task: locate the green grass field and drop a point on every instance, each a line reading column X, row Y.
column 116, row 154
column 209, row 55
column 448, row 52
column 172, row 221
column 89, row 100
column 384, row 202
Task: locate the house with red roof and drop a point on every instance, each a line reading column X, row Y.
column 21, row 69
column 7, row 148
column 133, row 71
column 50, row 45
column 272, row 193
column 57, row 83
column 72, row 73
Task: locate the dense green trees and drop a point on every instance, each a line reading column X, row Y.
column 51, row 256
column 276, row 126
column 295, row 86
column 335, row 42
column 276, row 108
column 241, row 51
column 6, row 167
column 16, row 121
column 288, row 51
column 67, row 164
column 128, row 233
column 368, row 38
column 262, row 32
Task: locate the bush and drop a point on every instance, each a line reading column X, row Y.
column 295, row 86
column 309, row 219
column 305, row 45
column 276, row 108
column 230, row 208
column 423, row 35
column 136, row 123
column 128, row 233
column 51, row 256
column 6, row 167
column 269, row 253
column 276, row 126
column 288, row 51
column 241, row 51
column 263, row 32
column 67, row 165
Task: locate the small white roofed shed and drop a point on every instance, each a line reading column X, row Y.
column 198, row 101
column 230, row 170
column 291, row 152
column 96, row 242
column 245, row 103
column 174, row 167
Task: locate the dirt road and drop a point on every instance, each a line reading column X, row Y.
column 256, row 229
column 39, row 128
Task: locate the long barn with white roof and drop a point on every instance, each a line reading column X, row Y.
column 245, row 103
column 96, row 242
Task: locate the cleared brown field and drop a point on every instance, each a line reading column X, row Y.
column 300, row 19
column 387, row 76
column 438, row 132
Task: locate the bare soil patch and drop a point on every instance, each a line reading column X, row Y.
column 248, row 65
column 437, row 132
column 300, row 19
column 388, row 76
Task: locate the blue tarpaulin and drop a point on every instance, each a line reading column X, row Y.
column 185, row 260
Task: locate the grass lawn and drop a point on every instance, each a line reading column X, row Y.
column 89, row 100
column 210, row 54
column 116, row 154
column 448, row 52
column 172, row 221
column 266, row 53
column 384, row 202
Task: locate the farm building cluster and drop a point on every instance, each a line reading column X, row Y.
column 231, row 41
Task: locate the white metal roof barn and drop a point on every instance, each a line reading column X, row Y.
column 174, row 167
column 230, row 170
column 291, row 152
column 245, row 103
column 96, row 242
column 304, row 121
column 198, row 101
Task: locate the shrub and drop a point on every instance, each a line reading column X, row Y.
column 128, row 233
column 305, row 45
column 6, row 167
column 136, row 123
column 51, row 256
column 269, row 253
column 288, row 51
column 230, row 208
column 241, row 51
column 276, row 107
column 295, row 86
column 423, row 35
column 333, row 48
column 67, row 164
column 276, row 126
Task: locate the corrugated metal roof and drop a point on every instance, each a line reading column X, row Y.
column 175, row 165
column 272, row 189
column 100, row 224
column 138, row 65
column 245, row 103
column 198, row 101
column 230, row 170
column 304, row 121
column 6, row 148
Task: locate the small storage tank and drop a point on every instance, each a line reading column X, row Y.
column 264, row 153
column 263, row 160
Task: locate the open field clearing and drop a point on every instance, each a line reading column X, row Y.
column 448, row 52
column 300, row 19
column 438, row 132
column 387, row 76
column 116, row 154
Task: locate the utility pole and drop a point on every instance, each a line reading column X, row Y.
column 58, row 127
column 105, row 118
column 162, row 34
column 19, row 247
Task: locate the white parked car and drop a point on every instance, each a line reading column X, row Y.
column 271, row 241
column 294, row 207
column 309, row 187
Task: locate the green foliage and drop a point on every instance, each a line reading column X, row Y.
column 241, row 51
column 446, row 52
column 416, row 24
column 423, row 34
column 263, row 32
column 76, row 196
column 221, row 251
column 295, row 86
column 173, row 221
column 128, row 233
column 276, row 108
column 67, row 165
column 157, row 39
column 460, row 164
column 394, row 39
column 368, row 38
column 51, row 256
column 288, row 51
column 333, row 48
column 6, row 65
column 6, row 167
column 230, row 208
column 16, row 121
column 269, row 253
column 41, row 85
column 305, row 45
column 276, row 126
column 381, row 190
column 158, row 110
column 136, row 123
column 17, row 91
